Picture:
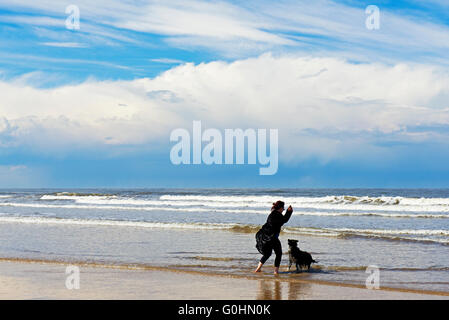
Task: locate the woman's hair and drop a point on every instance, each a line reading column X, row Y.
column 277, row 205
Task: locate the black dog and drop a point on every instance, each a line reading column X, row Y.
column 298, row 257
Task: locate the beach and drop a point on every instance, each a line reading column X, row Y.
column 170, row 149
column 25, row 280
column 207, row 238
column 47, row 281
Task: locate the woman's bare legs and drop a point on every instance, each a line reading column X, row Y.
column 259, row 267
column 276, row 269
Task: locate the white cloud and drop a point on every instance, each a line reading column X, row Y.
column 323, row 107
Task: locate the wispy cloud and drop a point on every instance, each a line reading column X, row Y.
column 251, row 27
column 64, row 44
column 71, row 61
column 98, row 33
column 33, row 20
column 167, row 60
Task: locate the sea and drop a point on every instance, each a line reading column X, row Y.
column 401, row 234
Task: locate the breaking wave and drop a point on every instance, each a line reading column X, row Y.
column 157, row 206
column 263, row 203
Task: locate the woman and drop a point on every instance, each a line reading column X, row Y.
column 267, row 237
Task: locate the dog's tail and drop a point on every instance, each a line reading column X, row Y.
column 314, row 261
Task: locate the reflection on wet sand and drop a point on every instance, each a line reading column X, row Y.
column 298, row 290
column 269, row 290
column 282, row 290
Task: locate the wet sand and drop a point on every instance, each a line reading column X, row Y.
column 37, row 280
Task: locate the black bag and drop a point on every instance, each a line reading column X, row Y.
column 263, row 242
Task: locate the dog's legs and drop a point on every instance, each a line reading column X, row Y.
column 289, row 264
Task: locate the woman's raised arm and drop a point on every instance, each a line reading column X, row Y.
column 288, row 214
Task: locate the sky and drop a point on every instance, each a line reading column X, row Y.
column 93, row 104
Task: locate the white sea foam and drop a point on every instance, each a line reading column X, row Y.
column 116, row 223
column 397, row 204
column 344, row 199
column 267, row 199
column 377, row 208
column 395, row 231
column 74, row 197
column 139, row 208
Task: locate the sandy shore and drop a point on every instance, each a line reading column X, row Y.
column 25, row 280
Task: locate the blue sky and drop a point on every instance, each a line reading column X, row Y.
column 94, row 107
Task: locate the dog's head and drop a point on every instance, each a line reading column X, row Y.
column 292, row 243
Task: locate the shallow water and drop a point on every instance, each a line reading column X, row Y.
column 403, row 232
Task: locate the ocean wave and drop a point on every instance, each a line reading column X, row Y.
column 394, row 232
column 435, row 236
column 376, row 208
column 140, row 208
column 344, row 199
column 438, row 236
column 116, row 223
column 156, row 206
column 330, row 203
column 76, row 196
column 360, row 268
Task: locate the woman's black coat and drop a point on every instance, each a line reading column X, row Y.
column 270, row 230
